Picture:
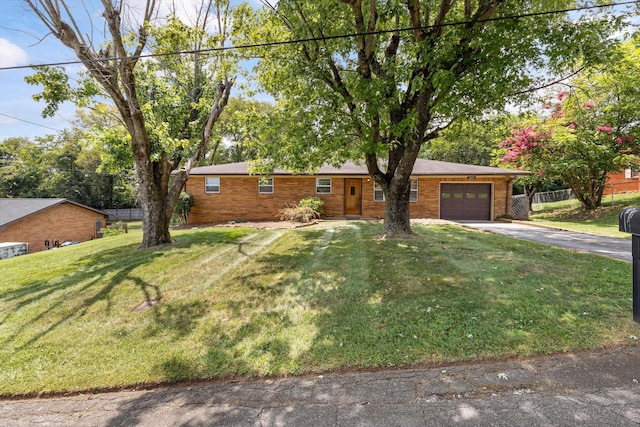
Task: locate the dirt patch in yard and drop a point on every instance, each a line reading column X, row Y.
column 431, row 221
column 290, row 224
column 250, row 224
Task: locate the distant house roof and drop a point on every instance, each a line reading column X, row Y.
column 422, row 167
column 12, row 210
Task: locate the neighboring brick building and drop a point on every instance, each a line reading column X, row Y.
column 439, row 190
column 38, row 221
column 626, row 181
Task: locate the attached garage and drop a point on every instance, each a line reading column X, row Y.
column 465, row 201
column 437, row 190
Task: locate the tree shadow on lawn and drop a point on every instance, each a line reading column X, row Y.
column 335, row 280
column 93, row 280
column 356, row 307
column 366, row 311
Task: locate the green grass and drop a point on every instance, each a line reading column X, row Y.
column 240, row 301
column 602, row 221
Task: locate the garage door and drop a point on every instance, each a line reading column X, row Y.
column 465, row 201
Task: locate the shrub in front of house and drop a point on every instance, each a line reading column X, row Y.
column 306, row 210
column 315, row 203
column 183, row 208
column 114, row 229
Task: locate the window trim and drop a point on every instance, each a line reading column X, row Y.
column 261, row 186
column 318, row 185
column 378, row 190
column 630, row 173
column 205, row 185
column 413, row 190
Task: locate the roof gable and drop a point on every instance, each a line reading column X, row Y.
column 12, row 210
column 422, row 167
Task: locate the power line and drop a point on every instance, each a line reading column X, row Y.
column 324, row 38
column 27, row 121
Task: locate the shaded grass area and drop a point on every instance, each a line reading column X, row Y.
column 601, row 221
column 239, row 301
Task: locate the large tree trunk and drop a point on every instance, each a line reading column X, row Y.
column 153, row 179
column 397, row 219
column 396, row 186
column 155, row 219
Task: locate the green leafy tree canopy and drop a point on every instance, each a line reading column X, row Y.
column 376, row 80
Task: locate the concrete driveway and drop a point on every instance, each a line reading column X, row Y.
column 613, row 247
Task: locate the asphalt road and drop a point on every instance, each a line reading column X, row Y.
column 619, row 248
column 598, row 389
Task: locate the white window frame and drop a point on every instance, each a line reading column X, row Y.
column 631, row 173
column 320, row 185
column 413, row 193
column 264, row 184
column 378, row 195
column 206, row 185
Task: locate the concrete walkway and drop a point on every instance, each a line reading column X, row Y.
column 599, row 389
column 612, row 247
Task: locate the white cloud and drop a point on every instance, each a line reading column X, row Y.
column 11, row 55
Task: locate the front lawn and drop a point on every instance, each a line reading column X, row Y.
column 240, row 301
column 602, row 221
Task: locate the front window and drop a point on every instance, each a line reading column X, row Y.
column 265, row 185
column 413, row 195
column 323, row 185
column 212, row 185
column 378, row 195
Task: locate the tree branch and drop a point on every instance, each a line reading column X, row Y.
column 546, row 85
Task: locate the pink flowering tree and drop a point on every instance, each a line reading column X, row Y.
column 590, row 140
column 579, row 142
column 526, row 149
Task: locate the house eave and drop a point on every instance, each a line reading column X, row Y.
column 55, row 202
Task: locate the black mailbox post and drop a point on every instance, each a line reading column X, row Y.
column 629, row 222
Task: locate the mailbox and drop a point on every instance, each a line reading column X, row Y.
column 629, row 222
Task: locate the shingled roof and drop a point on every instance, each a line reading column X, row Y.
column 422, row 167
column 12, row 210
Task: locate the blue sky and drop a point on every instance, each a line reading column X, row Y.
column 21, row 43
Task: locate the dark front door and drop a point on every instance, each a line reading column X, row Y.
column 465, row 201
column 353, row 196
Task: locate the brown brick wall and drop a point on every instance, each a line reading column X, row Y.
column 621, row 184
column 62, row 222
column 239, row 198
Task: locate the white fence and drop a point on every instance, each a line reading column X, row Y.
column 553, row 196
column 520, row 205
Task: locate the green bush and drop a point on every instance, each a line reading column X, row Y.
column 308, row 209
column 183, row 207
column 114, row 229
column 314, row 203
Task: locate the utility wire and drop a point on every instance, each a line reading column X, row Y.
column 340, row 36
column 27, row 121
